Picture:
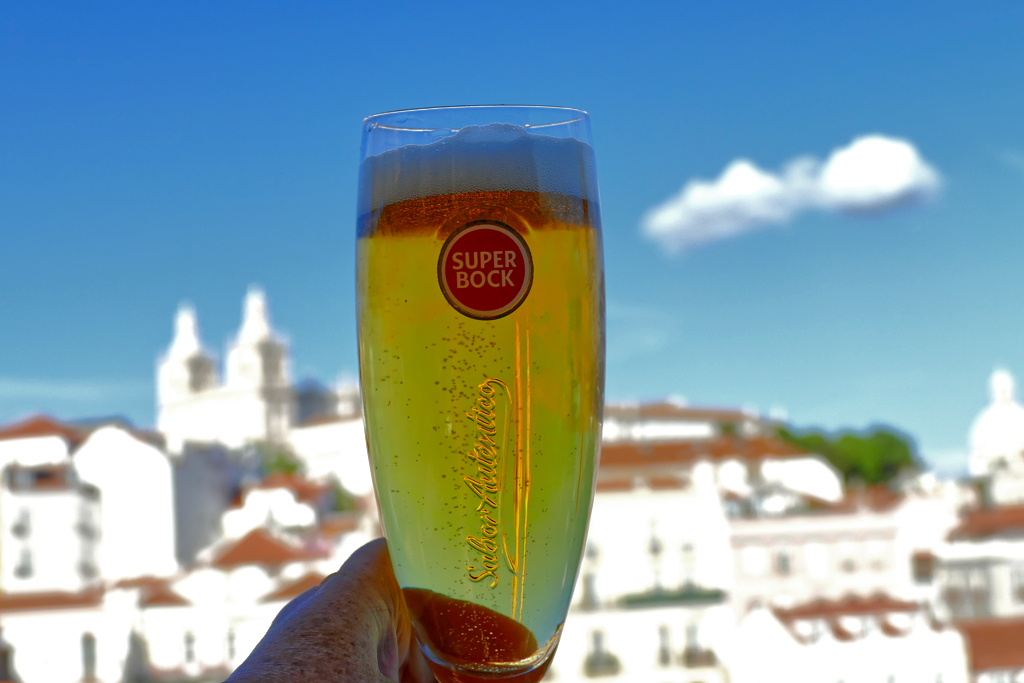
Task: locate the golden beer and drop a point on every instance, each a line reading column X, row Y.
column 483, row 414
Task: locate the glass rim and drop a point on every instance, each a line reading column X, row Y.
column 580, row 114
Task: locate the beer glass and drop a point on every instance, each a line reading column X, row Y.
column 481, row 358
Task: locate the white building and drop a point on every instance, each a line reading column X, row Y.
column 255, row 401
column 334, row 447
column 875, row 639
column 91, row 590
column 876, row 541
column 981, row 571
column 981, row 564
column 51, row 530
column 652, row 602
column 717, row 552
column 82, row 506
column 136, row 489
column 997, row 443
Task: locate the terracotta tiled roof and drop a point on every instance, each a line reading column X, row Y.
column 988, row 522
column 994, row 644
column 296, row 588
column 42, row 425
column 161, row 595
column 877, row 604
column 20, row 602
column 153, row 592
column 685, row 452
column 74, row 434
column 259, row 546
column 615, row 485
column 138, row 581
column 305, row 491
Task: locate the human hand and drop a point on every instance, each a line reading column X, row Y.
column 352, row 628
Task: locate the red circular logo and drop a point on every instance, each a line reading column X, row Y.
column 485, row 270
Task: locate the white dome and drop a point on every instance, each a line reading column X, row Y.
column 997, row 435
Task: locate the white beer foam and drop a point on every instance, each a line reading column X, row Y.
column 498, row 157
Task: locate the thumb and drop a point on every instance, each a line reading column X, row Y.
column 353, row 628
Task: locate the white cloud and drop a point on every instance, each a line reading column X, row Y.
column 872, row 174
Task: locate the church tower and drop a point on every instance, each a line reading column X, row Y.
column 255, row 403
column 258, row 368
column 187, row 368
column 997, row 442
column 258, row 359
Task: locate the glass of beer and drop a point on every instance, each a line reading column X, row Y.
column 481, row 355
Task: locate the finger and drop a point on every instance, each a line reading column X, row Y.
column 369, row 572
column 354, row 628
column 296, row 604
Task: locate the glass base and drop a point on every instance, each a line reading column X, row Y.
column 446, row 675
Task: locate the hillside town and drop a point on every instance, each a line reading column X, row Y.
column 718, row 551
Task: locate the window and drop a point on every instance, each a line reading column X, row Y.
column 88, row 657
column 979, row 593
column 923, row 567
column 86, row 526
column 1017, row 582
column 689, row 567
column 24, row 569
column 694, row 656
column 967, row 592
column 589, row 599
column 23, row 526
column 664, row 647
column 6, row 662
column 599, row 661
column 848, row 553
column 783, row 563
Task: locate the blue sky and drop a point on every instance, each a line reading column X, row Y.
column 150, row 155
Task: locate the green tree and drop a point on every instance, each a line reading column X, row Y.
column 343, row 500
column 875, row 455
column 276, row 458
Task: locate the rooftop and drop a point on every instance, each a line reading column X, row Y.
column 994, row 644
column 43, row 425
column 686, row 452
column 877, row 604
column 75, row 432
column 296, row 588
column 21, row 602
column 985, row 523
column 260, row 547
